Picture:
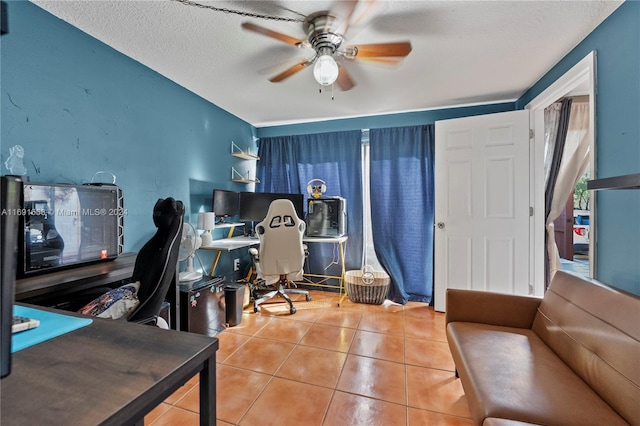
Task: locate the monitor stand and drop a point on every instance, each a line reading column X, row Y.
column 249, row 229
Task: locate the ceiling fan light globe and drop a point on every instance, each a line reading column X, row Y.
column 325, row 70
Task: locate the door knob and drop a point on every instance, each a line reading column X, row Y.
column 441, row 225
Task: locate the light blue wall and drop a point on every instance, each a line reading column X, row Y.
column 617, row 45
column 78, row 106
column 382, row 121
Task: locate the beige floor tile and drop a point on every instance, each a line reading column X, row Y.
column 329, row 337
column 156, row 413
column 177, row 417
column 261, row 355
column 436, row 390
column 288, row 403
column 379, row 321
column 182, row 390
column 250, row 324
column 190, row 401
column 237, row 389
column 429, row 353
column 340, row 317
column 228, row 343
column 422, row 417
column 283, row 330
column 378, row 345
column 374, row 378
column 356, row 410
column 314, row 366
column 422, row 322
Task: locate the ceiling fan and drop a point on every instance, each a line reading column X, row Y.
column 326, row 35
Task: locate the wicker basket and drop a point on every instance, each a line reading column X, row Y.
column 367, row 286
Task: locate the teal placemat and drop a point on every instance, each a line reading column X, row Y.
column 51, row 325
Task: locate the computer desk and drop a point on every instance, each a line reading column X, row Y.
column 319, row 280
column 108, row 373
column 228, row 244
column 314, row 280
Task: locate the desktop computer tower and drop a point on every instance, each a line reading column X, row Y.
column 327, row 217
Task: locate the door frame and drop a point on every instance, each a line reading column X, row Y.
column 582, row 74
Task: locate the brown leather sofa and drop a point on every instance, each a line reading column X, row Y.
column 570, row 358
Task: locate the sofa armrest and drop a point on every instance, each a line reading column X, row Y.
column 491, row 308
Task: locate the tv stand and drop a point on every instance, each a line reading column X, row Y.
column 50, row 288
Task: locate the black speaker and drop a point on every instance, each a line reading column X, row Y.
column 327, row 217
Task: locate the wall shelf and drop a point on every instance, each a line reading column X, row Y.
column 616, row 182
column 238, row 177
column 245, row 155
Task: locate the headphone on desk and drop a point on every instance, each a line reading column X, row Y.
column 316, row 191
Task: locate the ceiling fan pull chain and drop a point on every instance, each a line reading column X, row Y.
column 239, row 12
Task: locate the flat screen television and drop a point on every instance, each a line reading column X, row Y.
column 69, row 225
column 225, row 203
column 255, row 205
column 10, row 192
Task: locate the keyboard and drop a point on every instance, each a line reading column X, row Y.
column 23, row 323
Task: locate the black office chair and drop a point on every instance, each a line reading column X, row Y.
column 157, row 260
column 154, row 272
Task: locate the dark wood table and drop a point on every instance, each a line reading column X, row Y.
column 107, row 373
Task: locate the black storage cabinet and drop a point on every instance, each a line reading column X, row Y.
column 202, row 306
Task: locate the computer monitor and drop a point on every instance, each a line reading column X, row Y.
column 10, row 209
column 225, row 203
column 255, row 205
column 67, row 225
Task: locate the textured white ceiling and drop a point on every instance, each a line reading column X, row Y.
column 464, row 52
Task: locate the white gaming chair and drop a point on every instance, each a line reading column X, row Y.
column 281, row 253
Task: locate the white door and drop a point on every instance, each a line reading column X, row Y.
column 482, row 204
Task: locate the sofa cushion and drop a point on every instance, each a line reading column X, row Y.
column 595, row 329
column 510, row 373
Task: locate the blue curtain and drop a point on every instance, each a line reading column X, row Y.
column 277, row 169
column 287, row 163
column 402, row 208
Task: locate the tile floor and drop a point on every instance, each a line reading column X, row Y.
column 355, row 364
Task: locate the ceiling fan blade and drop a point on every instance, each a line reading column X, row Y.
column 269, row 33
column 344, row 79
column 343, row 11
column 290, row 71
column 383, row 49
column 382, row 60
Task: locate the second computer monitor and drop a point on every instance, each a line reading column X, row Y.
column 225, row 203
column 255, row 205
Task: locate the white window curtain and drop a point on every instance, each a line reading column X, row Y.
column 369, row 250
column 575, row 159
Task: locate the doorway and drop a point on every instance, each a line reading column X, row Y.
column 578, row 81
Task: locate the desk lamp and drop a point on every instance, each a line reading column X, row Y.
column 206, row 222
